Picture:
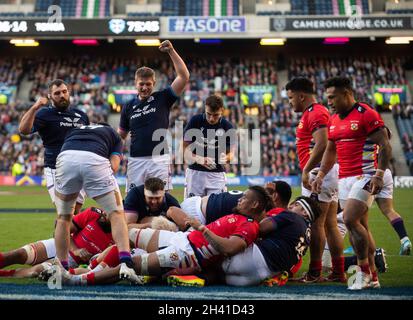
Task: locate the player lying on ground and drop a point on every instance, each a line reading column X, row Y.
column 90, row 235
column 209, row 208
column 201, row 248
column 284, row 239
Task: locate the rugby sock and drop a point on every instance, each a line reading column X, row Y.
column 7, row 273
column 90, row 278
column 112, row 258
column 93, row 264
column 350, row 261
column 365, row 268
column 125, row 257
column 338, row 265
column 99, row 267
column 65, row 264
column 315, row 268
column 398, row 225
column 374, row 276
column 1, row 260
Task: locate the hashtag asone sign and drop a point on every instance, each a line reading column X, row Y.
column 206, row 25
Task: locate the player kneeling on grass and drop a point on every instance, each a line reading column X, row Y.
column 90, row 235
column 284, row 239
column 201, row 249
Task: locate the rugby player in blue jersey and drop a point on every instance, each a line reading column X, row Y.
column 53, row 118
column 209, row 144
column 144, row 115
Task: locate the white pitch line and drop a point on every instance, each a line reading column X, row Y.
column 221, row 295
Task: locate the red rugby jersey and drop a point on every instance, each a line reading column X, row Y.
column 90, row 235
column 355, row 153
column 314, row 117
column 227, row 226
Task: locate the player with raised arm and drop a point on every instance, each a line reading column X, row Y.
column 53, row 118
column 146, row 114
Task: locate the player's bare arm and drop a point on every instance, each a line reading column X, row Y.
column 115, row 162
column 26, row 123
column 178, row 216
column 380, row 138
column 182, row 78
column 320, row 137
column 123, row 134
column 226, row 246
column 328, row 161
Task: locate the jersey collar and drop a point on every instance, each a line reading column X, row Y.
column 343, row 116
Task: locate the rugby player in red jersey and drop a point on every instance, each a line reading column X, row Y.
column 90, row 235
column 312, row 138
column 355, row 131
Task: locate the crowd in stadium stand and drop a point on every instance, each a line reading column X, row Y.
column 365, row 72
column 92, row 77
column 403, row 116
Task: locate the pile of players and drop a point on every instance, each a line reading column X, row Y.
column 238, row 238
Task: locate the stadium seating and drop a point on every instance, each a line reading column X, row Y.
column 71, row 8
column 364, row 72
column 403, row 115
column 326, row 7
column 93, row 76
column 199, row 8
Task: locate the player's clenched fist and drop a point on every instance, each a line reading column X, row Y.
column 166, row 46
column 41, row 102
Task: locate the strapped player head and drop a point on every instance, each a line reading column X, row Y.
column 306, row 207
column 154, row 193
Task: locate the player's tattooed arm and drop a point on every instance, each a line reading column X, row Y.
column 380, row 138
column 226, row 246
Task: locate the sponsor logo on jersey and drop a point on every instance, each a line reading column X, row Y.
column 70, row 122
column 220, row 132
